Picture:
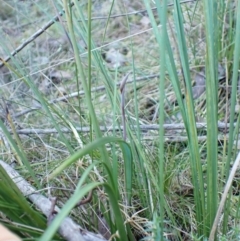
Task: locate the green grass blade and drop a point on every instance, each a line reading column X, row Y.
column 210, row 10
column 127, row 155
column 162, row 11
column 235, row 76
column 118, row 216
column 196, row 167
column 77, row 196
column 232, row 130
column 93, row 117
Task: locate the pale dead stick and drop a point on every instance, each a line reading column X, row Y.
column 224, row 197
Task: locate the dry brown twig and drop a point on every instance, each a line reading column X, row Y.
column 33, row 37
column 75, row 94
column 70, row 230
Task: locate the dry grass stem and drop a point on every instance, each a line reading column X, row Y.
column 224, row 197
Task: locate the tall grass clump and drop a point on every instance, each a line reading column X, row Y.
column 155, row 159
column 205, row 183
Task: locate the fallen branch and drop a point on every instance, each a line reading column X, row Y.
column 222, row 127
column 68, row 229
column 171, row 138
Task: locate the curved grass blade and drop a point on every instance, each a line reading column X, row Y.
column 118, row 216
column 127, row 156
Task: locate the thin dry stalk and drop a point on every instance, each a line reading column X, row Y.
column 224, row 197
column 122, row 90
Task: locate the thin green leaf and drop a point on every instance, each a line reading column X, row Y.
column 210, row 10
column 196, row 167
